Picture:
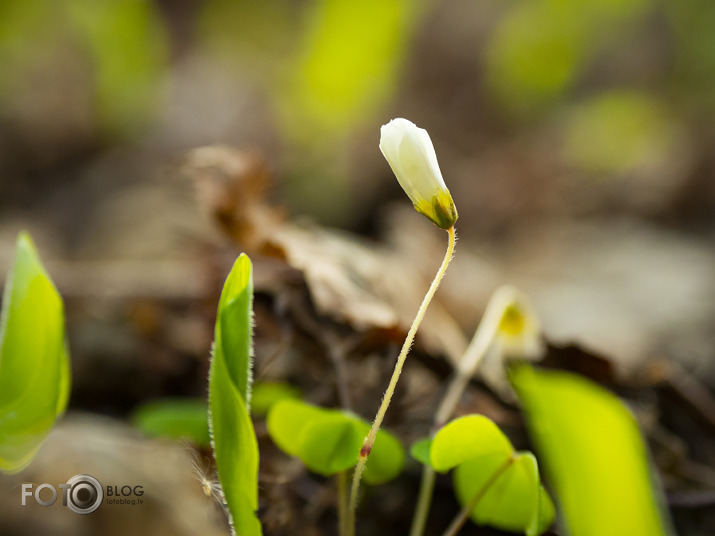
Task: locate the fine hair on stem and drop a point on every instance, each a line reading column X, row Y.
column 370, row 439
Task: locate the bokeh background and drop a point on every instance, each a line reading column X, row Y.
column 576, row 138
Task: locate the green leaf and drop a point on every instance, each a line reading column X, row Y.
column 593, row 453
column 34, row 364
column 234, row 440
column 511, row 499
column 544, row 515
column 504, row 484
column 328, row 441
column 286, row 421
column 420, row 450
column 176, row 419
column 466, row 438
column 234, row 324
column 265, row 394
column 329, row 444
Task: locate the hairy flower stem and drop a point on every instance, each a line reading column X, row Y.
column 370, row 439
column 463, row 515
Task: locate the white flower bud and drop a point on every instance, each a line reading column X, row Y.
column 410, row 153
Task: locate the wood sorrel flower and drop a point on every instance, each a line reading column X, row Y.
column 517, row 335
column 410, row 153
column 411, row 156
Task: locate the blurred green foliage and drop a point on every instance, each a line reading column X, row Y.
column 328, row 69
column 265, row 394
column 592, row 450
column 174, row 418
column 331, row 67
column 620, row 131
column 540, row 48
column 321, row 71
column 346, row 65
column 114, row 53
column 254, row 38
column 126, row 45
column 187, row 418
column 692, row 23
column 34, row 363
column 328, row 441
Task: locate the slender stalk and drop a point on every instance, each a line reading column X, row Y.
column 342, row 502
column 370, row 439
column 419, row 520
column 477, row 349
column 461, row 518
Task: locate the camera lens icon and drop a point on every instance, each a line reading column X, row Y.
column 85, row 494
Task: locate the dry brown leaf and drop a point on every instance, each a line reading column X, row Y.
column 351, row 281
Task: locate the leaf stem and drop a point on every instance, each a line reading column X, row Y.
column 461, row 518
column 477, row 349
column 419, row 520
column 342, row 502
column 370, row 439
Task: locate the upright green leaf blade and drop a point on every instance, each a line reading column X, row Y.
column 593, row 452
column 234, row 440
column 234, row 324
column 34, row 364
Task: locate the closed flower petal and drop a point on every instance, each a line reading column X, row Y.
column 410, row 153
